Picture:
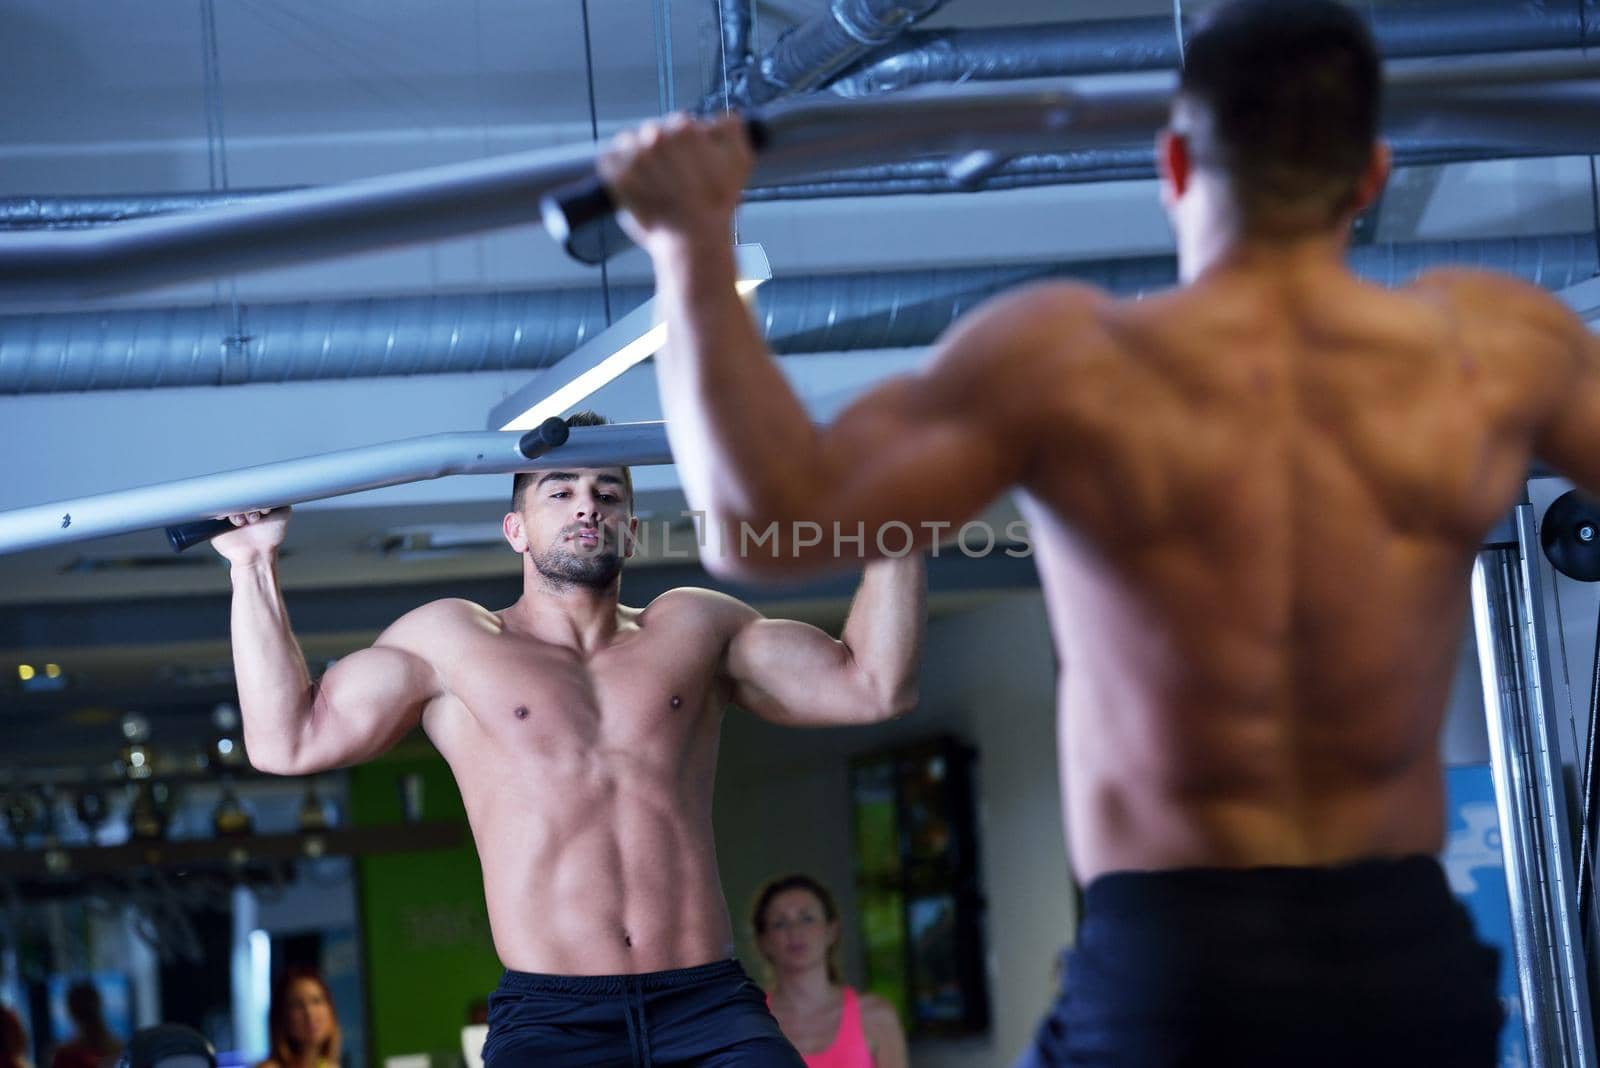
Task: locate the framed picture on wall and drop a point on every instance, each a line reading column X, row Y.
column 917, row 884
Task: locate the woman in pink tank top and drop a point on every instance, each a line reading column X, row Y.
column 797, row 929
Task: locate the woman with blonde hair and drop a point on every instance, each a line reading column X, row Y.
column 301, row 1027
column 831, row 1025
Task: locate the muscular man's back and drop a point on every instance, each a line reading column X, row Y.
column 1257, row 638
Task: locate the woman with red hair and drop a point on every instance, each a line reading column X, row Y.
column 301, row 1026
column 830, row 1024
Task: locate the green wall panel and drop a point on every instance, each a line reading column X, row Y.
column 429, row 953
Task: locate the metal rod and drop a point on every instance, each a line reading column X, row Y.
column 1494, row 612
column 313, row 478
column 804, row 137
column 292, row 227
column 1533, row 104
column 1548, row 777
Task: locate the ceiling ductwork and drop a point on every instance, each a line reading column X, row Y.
column 806, row 56
column 147, row 348
column 1410, row 30
column 735, row 23
column 874, row 36
column 165, row 347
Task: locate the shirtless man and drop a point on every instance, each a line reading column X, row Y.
column 1255, row 501
column 583, row 736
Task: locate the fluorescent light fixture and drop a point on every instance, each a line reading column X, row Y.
column 603, row 357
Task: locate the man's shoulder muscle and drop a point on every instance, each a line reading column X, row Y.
column 421, row 628
column 1529, row 335
column 1014, row 365
column 1037, row 325
column 696, row 604
column 1488, row 298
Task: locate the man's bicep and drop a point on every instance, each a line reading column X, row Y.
column 386, row 673
column 786, row 671
column 938, row 445
column 910, row 452
column 368, row 700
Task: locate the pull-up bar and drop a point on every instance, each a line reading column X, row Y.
column 1538, row 103
column 193, row 503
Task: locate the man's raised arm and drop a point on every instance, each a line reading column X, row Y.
column 292, row 726
column 795, row 674
column 930, row 448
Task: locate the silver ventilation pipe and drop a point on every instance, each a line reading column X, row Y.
column 159, row 347
column 809, row 54
column 1129, row 163
column 1412, row 29
column 78, row 212
column 1537, row 106
column 735, row 21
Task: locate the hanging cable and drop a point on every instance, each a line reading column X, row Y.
column 234, row 346
column 483, row 119
column 727, row 71
column 594, row 133
column 722, row 53
column 666, row 92
column 1594, row 194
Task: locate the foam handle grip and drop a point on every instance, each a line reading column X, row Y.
column 571, row 209
column 550, row 434
column 185, row 535
column 580, row 216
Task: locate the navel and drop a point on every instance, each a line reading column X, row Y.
column 677, row 702
column 521, row 712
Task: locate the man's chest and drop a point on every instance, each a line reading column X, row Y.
column 649, row 686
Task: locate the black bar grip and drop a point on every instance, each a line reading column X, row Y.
column 550, row 434
column 574, row 212
column 581, row 216
column 185, row 535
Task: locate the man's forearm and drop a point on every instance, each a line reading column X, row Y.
column 884, row 631
column 744, row 444
column 275, row 693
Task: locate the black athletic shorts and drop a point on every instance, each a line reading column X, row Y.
column 713, row 1016
column 1372, row 963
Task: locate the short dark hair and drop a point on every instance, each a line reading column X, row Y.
column 1283, row 98
column 796, row 881
column 523, row 479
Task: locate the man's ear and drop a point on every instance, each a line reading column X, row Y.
column 1373, row 176
column 1175, row 163
column 511, row 527
column 631, row 538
